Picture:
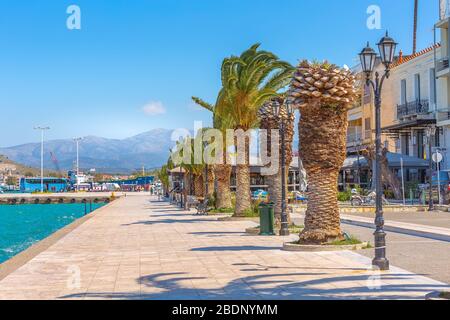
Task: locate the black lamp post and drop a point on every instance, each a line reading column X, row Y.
column 205, row 145
column 431, row 131
column 368, row 56
column 277, row 111
column 181, row 187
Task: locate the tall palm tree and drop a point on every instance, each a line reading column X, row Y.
column 323, row 92
column 222, row 171
column 269, row 121
column 248, row 82
column 196, row 171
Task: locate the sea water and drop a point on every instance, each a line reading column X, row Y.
column 21, row 226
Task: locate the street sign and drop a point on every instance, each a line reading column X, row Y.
column 437, row 157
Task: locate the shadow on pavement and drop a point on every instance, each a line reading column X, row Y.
column 248, row 288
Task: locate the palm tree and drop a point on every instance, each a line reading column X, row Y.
column 323, row 93
column 191, row 169
column 248, row 82
column 269, row 121
column 222, row 172
column 163, row 175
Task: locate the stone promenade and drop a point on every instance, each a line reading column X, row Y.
column 139, row 248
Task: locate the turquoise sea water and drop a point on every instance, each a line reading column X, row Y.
column 23, row 225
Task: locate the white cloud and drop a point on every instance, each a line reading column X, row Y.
column 154, row 108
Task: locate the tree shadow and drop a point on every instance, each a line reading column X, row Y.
column 260, row 287
column 169, row 221
column 217, row 233
column 267, row 268
column 236, row 248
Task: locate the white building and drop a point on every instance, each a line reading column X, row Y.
column 442, row 76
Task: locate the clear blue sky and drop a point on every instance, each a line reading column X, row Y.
column 158, row 53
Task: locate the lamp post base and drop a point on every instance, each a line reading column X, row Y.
column 381, row 263
column 284, row 232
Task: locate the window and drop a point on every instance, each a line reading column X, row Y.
column 420, row 145
column 367, row 124
column 367, row 128
column 433, row 95
column 403, row 92
column 417, row 86
column 405, row 144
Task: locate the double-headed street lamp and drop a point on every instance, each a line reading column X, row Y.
column 283, row 112
column 368, row 57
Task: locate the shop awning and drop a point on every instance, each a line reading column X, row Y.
column 394, row 160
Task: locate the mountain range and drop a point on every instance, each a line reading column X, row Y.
column 149, row 149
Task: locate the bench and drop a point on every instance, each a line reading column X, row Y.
column 191, row 202
column 202, row 207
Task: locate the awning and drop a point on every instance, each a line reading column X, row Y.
column 394, row 160
column 407, row 126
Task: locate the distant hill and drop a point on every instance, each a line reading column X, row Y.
column 7, row 165
column 149, row 149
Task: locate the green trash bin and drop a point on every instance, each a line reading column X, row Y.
column 266, row 219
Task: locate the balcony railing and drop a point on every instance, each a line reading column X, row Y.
column 443, row 115
column 442, row 64
column 418, row 107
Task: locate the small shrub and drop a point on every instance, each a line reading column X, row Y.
column 349, row 241
column 345, row 196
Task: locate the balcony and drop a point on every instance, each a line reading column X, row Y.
column 415, row 109
column 442, row 67
column 443, row 117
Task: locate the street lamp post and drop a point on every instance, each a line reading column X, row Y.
column 181, row 186
column 42, row 129
column 277, row 111
column 77, row 141
column 431, row 131
column 205, row 145
column 368, row 57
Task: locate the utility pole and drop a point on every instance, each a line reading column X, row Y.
column 42, row 129
column 416, row 9
column 77, row 141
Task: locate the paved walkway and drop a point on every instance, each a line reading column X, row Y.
column 139, row 249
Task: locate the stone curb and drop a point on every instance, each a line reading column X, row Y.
column 289, row 246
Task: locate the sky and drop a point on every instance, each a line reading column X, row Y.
column 134, row 65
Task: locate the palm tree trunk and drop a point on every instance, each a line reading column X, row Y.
column 322, row 221
column 198, row 185
column 323, row 150
column 210, row 181
column 223, row 176
column 243, row 195
column 243, row 192
column 186, row 188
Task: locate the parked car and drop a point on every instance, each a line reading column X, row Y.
column 260, row 195
column 297, row 196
